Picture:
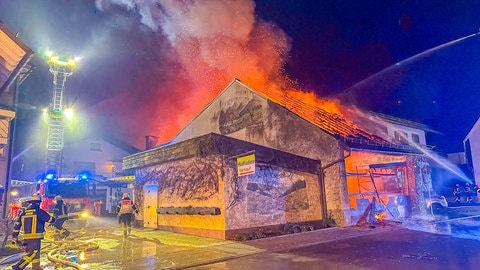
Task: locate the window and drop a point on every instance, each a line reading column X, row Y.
column 401, row 136
column 95, row 147
column 468, row 153
column 415, row 138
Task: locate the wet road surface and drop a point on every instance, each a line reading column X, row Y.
column 398, row 249
column 99, row 245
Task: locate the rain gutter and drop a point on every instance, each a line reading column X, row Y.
column 321, row 177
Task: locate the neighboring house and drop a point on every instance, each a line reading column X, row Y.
column 471, row 145
column 356, row 161
column 403, row 130
column 101, row 159
column 14, row 58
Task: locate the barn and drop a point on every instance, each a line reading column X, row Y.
column 315, row 164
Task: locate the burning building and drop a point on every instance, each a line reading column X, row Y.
column 314, row 164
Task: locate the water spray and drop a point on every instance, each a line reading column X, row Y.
column 439, row 160
column 409, row 60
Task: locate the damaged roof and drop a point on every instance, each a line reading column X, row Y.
column 335, row 124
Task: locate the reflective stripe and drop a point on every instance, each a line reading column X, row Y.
column 33, row 236
column 27, row 259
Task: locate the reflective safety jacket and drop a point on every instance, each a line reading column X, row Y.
column 125, row 206
column 31, row 223
column 60, row 210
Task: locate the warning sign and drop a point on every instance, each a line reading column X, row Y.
column 246, row 165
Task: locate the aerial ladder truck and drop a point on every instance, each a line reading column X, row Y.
column 74, row 190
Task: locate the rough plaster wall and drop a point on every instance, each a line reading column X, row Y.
column 242, row 114
column 423, row 181
column 271, row 196
column 287, row 132
column 234, row 111
column 195, row 182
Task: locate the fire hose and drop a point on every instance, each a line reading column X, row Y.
column 63, row 252
column 55, row 254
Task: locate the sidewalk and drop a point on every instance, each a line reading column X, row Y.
column 204, row 251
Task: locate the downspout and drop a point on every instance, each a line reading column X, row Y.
column 321, row 176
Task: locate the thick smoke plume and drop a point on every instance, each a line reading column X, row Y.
column 200, row 47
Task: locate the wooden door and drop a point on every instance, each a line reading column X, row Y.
column 150, row 203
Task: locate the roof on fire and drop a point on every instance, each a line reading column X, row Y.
column 353, row 133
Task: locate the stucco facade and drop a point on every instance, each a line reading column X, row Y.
column 279, row 122
column 197, row 189
column 241, row 113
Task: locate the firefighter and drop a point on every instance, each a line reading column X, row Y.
column 125, row 209
column 60, row 212
column 31, row 225
column 23, row 204
column 468, row 193
column 457, row 192
column 97, row 207
column 14, row 210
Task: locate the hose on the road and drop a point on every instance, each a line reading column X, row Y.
column 56, row 255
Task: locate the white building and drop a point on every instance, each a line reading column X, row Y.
column 471, row 145
column 101, row 158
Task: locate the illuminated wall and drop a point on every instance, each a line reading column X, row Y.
column 241, row 113
column 199, row 191
column 364, row 182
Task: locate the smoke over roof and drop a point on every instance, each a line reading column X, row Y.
column 200, row 47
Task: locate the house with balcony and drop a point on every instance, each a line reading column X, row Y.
column 14, row 68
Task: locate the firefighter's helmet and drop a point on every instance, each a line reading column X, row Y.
column 35, row 199
column 125, row 195
column 22, row 200
column 58, row 198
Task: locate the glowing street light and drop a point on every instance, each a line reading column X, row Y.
column 68, row 113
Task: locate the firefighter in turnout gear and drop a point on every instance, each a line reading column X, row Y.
column 457, row 193
column 125, row 209
column 60, row 212
column 468, row 193
column 30, row 224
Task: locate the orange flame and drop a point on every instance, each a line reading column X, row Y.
column 381, row 216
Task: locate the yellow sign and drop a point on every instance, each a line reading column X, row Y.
column 246, row 165
column 124, row 178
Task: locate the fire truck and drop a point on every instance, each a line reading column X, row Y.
column 74, row 191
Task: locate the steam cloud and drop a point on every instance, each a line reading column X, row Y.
column 202, row 46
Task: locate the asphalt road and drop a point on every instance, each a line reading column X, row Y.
column 397, row 249
column 423, row 244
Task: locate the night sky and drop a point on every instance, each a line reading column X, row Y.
column 148, row 69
